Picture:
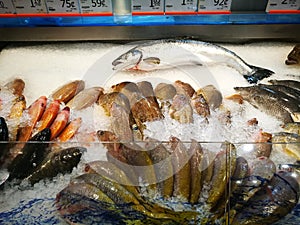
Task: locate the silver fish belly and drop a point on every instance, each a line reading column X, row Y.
column 164, row 54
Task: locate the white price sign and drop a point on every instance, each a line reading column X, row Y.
column 180, row 6
column 96, row 6
column 6, row 7
column 283, row 5
column 150, row 6
column 62, row 6
column 214, row 5
column 28, row 7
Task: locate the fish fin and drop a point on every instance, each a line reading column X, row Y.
column 257, row 74
column 295, row 116
column 152, row 60
column 236, row 98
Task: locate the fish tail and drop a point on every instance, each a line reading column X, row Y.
column 258, row 73
column 295, row 116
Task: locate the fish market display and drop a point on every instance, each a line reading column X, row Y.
column 161, row 149
column 294, row 56
column 164, row 54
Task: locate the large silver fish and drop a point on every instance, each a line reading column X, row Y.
column 164, row 54
column 270, row 102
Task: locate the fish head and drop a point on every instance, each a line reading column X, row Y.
column 135, row 60
column 128, row 60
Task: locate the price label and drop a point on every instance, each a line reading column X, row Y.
column 283, row 5
column 214, row 5
column 183, row 6
column 96, row 6
column 147, row 7
column 30, row 6
column 6, row 7
column 62, row 6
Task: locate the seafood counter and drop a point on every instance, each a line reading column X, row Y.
column 155, row 132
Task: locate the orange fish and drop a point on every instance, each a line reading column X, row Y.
column 70, row 130
column 49, row 114
column 35, row 111
column 60, row 122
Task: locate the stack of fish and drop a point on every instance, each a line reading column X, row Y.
column 151, row 184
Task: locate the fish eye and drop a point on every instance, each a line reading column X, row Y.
column 135, row 127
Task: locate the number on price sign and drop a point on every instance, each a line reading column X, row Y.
column 214, row 6
column 101, row 7
column 35, row 3
column 98, row 3
column 283, row 6
column 220, row 2
column 30, row 7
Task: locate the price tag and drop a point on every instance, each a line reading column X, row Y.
column 283, row 5
column 180, row 6
column 96, row 6
column 6, row 7
column 30, row 6
column 214, row 6
column 62, row 6
column 147, row 7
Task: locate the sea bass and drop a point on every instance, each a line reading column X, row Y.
column 270, row 102
column 164, row 54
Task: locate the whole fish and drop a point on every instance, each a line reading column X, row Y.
column 49, row 115
column 31, row 155
column 269, row 102
column 181, row 169
column 292, row 128
column 163, row 54
column 224, row 166
column 184, row 88
column 106, row 100
column 120, row 123
column 15, row 116
column 288, row 143
column 181, row 109
column 294, row 56
column 271, row 203
column 292, row 92
column 16, row 86
column 111, row 172
column 3, row 130
column 60, row 122
column 200, row 105
column 164, row 91
column 212, row 95
column 70, row 130
column 124, row 198
column 196, row 154
column 85, row 98
column 291, row 98
column 35, row 112
column 162, row 163
column 66, row 92
column 4, row 147
column 263, row 145
column 289, row 83
column 59, row 161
